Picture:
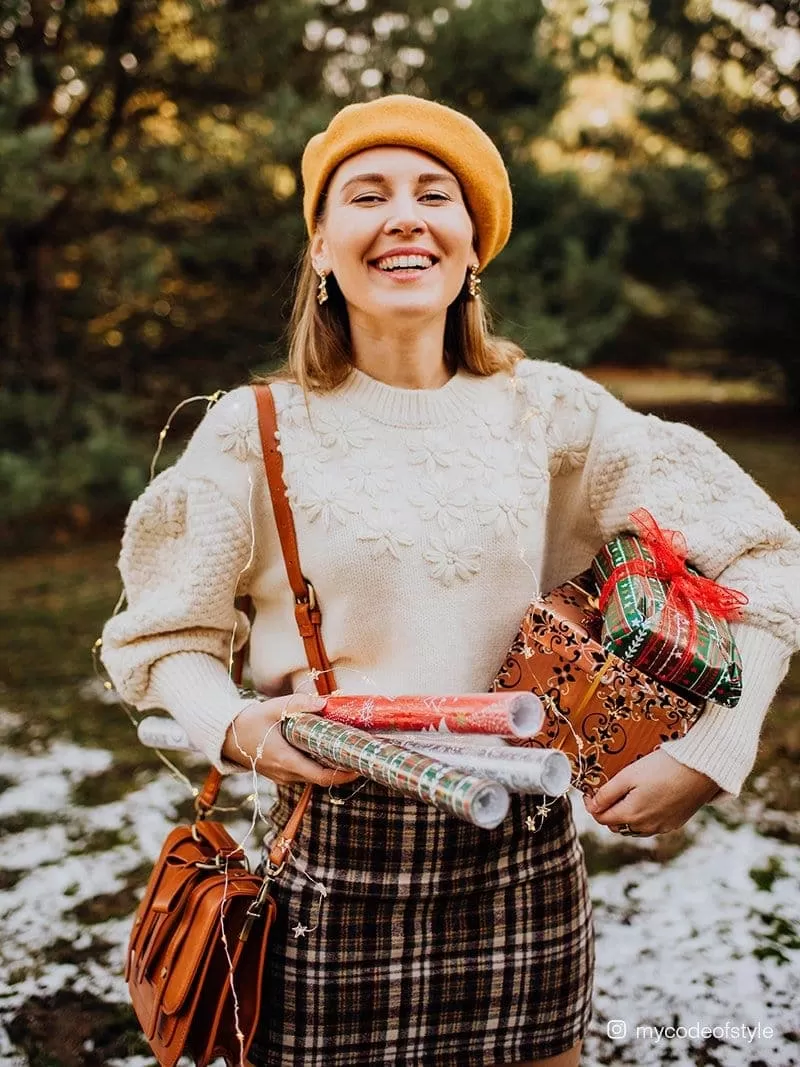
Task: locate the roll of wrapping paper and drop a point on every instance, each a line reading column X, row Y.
column 156, row 732
column 502, row 714
column 475, row 799
column 520, row 770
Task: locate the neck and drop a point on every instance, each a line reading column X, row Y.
column 401, row 355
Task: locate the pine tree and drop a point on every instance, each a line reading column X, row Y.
column 722, row 220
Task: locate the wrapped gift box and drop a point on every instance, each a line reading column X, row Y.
column 670, row 639
column 600, row 711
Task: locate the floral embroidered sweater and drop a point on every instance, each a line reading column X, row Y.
column 427, row 520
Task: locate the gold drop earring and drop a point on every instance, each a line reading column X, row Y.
column 322, row 288
column 473, row 282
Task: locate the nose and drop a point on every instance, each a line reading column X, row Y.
column 404, row 217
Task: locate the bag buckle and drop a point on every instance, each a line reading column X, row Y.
column 310, row 598
column 220, row 861
column 256, row 907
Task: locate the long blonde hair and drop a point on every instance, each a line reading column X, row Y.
column 320, row 355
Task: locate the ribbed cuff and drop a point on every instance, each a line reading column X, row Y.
column 724, row 741
column 197, row 692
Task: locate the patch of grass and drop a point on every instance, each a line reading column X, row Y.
column 8, row 879
column 75, row 1030
column 63, row 951
column 52, row 608
column 101, row 840
column 606, row 857
column 27, row 820
column 136, row 878
column 778, row 935
column 765, row 877
column 780, row 826
column 729, row 817
column 108, row 786
column 105, row 906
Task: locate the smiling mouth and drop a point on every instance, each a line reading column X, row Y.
column 404, row 265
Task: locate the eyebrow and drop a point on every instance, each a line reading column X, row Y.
column 380, row 179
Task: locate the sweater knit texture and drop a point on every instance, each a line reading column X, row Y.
column 427, row 521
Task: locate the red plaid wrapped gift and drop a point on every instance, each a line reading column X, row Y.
column 662, row 616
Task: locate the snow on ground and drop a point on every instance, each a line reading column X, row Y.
column 698, row 958
column 694, row 945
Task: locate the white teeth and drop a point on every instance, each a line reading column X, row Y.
column 404, row 262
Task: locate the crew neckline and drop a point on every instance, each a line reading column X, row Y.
column 412, row 407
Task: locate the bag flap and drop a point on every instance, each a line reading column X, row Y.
column 179, row 863
column 178, row 875
column 199, row 933
column 175, row 841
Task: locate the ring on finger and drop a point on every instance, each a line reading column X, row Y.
column 625, row 830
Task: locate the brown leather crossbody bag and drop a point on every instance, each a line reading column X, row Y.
column 199, row 942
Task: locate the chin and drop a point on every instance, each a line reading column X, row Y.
column 417, row 304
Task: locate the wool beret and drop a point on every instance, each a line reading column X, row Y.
column 412, row 122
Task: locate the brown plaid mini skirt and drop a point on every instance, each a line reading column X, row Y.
column 405, row 936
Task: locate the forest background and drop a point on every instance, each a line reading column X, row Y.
column 150, row 199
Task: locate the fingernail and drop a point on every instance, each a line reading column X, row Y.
column 318, row 703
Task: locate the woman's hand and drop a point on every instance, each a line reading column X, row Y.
column 254, row 738
column 651, row 795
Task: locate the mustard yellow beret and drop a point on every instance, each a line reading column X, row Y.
column 411, row 122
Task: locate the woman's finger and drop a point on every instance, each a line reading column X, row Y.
column 287, row 765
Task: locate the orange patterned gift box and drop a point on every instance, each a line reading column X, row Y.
column 601, row 711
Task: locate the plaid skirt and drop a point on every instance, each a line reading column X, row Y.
column 406, row 936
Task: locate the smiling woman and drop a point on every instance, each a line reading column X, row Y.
column 439, row 481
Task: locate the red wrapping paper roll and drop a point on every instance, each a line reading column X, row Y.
column 502, row 714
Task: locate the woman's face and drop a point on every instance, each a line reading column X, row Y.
column 396, row 234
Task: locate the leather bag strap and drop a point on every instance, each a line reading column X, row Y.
column 306, row 609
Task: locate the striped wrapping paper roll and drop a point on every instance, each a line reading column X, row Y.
column 520, row 770
column 503, row 714
column 475, row 799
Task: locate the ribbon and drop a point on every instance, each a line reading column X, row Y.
column 686, row 592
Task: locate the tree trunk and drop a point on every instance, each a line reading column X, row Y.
column 35, row 361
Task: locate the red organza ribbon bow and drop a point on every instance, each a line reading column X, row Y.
column 685, row 591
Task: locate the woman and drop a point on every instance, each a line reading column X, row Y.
column 439, row 480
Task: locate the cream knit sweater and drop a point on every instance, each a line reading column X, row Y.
column 427, row 520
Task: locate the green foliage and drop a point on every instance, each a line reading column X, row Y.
column 559, row 292
column 723, row 219
column 98, row 468
column 150, row 194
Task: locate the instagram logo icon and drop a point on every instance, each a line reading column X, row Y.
column 617, row 1029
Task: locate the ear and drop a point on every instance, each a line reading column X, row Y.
column 319, row 253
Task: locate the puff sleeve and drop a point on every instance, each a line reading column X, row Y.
column 186, row 553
